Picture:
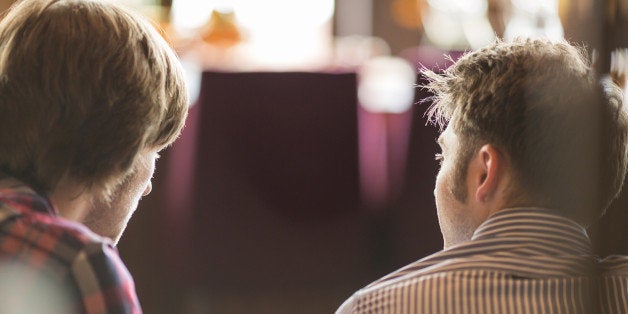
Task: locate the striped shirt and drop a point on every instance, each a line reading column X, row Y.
column 52, row 265
column 520, row 260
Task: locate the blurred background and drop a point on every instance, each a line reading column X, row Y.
column 306, row 167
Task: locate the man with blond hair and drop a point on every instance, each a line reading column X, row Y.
column 533, row 152
column 89, row 94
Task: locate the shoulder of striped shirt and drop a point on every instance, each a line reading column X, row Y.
column 514, row 261
column 614, row 265
column 454, row 280
column 472, row 273
column 426, row 291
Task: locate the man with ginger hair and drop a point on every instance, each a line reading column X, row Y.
column 533, row 152
column 89, row 94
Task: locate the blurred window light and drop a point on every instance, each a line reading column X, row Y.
column 457, row 24
column 353, row 51
column 190, row 15
column 286, row 34
column 275, row 15
column 466, row 7
column 387, row 85
column 279, row 15
column 443, row 30
column 478, row 32
column 534, row 18
column 619, row 71
column 276, row 34
column 536, row 6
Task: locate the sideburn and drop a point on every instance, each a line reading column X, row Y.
column 466, row 150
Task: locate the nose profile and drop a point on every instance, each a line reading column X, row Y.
column 149, row 188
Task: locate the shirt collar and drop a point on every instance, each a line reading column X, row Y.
column 20, row 197
column 535, row 224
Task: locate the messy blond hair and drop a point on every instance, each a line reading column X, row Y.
column 541, row 103
column 85, row 85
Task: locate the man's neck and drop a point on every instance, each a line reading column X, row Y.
column 71, row 201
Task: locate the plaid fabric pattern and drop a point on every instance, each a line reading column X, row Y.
column 52, row 265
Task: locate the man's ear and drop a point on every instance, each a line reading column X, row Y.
column 488, row 172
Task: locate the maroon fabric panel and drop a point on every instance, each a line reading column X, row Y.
column 287, row 139
column 276, row 184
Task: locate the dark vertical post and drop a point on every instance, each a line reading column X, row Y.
column 604, row 17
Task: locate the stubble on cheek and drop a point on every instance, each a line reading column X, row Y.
column 455, row 222
column 109, row 217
